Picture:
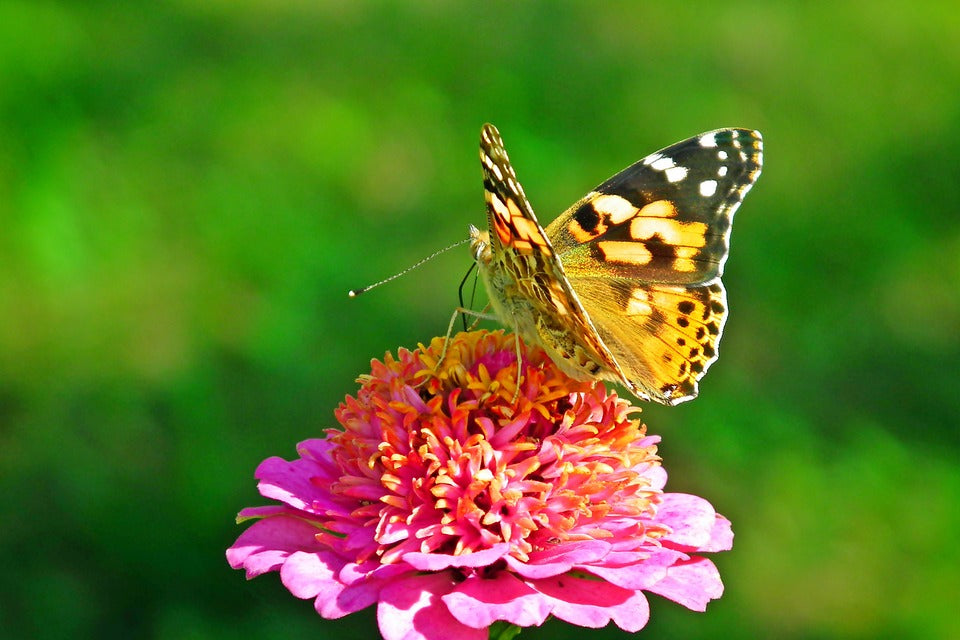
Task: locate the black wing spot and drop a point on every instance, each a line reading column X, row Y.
column 683, row 322
column 587, row 217
column 686, row 307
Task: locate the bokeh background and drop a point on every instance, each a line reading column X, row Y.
column 188, row 190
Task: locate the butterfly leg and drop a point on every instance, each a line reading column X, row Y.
column 516, row 346
column 483, row 315
column 478, row 316
column 476, row 320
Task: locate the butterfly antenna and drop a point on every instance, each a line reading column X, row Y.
column 353, row 293
column 472, row 293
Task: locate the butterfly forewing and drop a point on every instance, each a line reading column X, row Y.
column 509, row 214
column 666, row 218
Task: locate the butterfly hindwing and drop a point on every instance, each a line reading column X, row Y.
column 664, row 337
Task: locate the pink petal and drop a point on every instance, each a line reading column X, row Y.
column 721, row 536
column 292, row 483
column 439, row 561
column 657, row 476
column 646, row 441
column 691, row 519
column 267, row 544
column 318, row 450
column 340, row 588
column 353, row 573
column 411, row 609
column 578, row 552
column 592, row 603
column 314, row 575
column 560, row 559
column 692, row 584
column 642, row 573
column 479, row 602
column 362, row 592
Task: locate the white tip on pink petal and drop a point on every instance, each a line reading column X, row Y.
column 692, row 584
column 721, row 536
column 691, row 519
column 308, row 574
column 267, row 544
column 411, row 609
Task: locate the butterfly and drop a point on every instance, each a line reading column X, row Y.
column 625, row 284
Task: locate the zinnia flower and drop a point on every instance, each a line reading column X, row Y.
column 451, row 500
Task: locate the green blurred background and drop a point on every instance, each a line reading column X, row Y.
column 187, row 191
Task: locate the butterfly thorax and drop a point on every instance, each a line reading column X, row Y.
column 502, row 285
column 520, row 296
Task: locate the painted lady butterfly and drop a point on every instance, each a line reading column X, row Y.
column 625, row 284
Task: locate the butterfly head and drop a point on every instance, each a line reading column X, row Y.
column 480, row 245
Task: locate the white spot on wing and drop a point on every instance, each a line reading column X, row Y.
column 722, row 171
column 619, row 209
column 708, row 140
column 675, row 174
column 498, row 206
column 663, row 164
column 638, row 304
column 708, row 188
column 722, row 155
column 650, row 159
